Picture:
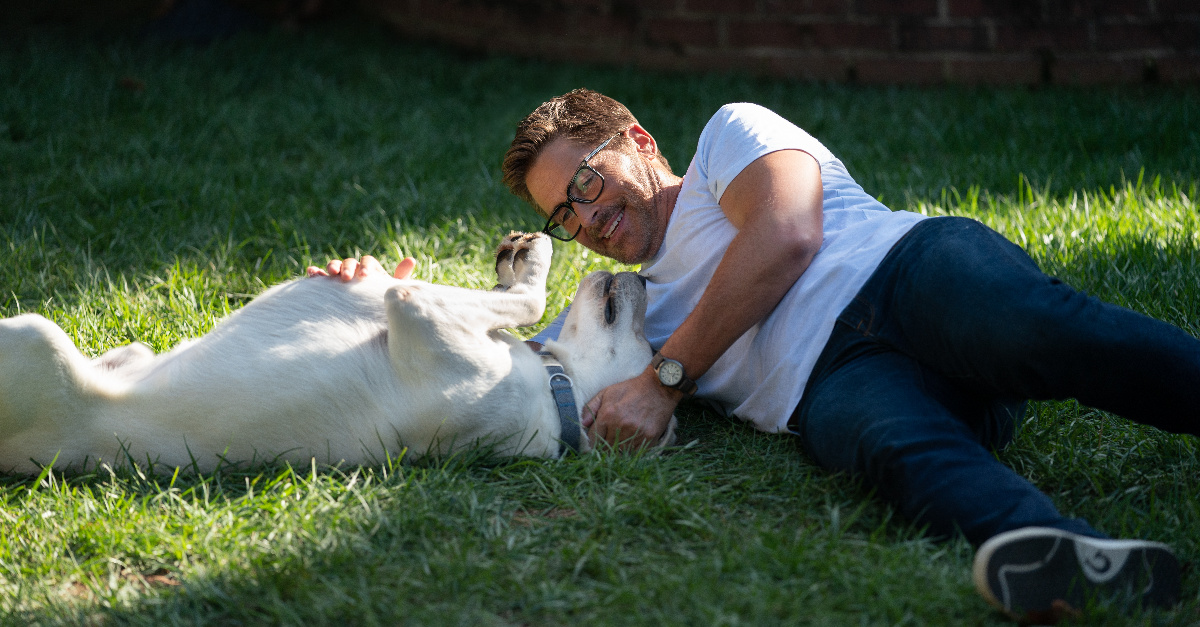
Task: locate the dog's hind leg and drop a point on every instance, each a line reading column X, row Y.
column 41, row 374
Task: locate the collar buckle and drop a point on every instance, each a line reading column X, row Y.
column 562, row 388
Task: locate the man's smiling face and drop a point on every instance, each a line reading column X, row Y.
column 629, row 218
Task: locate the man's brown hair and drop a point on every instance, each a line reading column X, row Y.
column 581, row 115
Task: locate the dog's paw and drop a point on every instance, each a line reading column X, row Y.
column 522, row 259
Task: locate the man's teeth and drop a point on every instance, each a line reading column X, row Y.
column 615, row 223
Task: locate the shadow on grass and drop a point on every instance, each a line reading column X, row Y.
column 737, row 525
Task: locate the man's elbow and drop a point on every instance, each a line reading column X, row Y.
column 802, row 242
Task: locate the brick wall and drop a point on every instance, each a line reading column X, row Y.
column 866, row 41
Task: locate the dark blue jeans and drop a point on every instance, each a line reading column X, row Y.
column 928, row 370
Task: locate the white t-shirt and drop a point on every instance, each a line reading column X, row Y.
column 762, row 376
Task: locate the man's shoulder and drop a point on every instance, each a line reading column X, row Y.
column 742, row 113
column 741, row 127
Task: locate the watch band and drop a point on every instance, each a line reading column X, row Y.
column 685, row 384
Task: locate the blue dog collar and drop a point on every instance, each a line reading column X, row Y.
column 564, row 399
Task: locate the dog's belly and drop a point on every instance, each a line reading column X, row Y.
column 302, row 371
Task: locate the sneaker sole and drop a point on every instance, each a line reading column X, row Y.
column 1026, row 570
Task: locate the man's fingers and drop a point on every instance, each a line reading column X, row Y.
column 631, row 439
column 588, row 416
column 404, row 269
column 368, row 265
column 349, row 267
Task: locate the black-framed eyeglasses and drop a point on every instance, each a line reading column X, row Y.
column 585, row 187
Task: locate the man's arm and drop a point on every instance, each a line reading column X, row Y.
column 775, row 203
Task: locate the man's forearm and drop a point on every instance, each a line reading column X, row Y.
column 776, row 205
column 745, row 288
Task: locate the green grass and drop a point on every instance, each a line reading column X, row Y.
column 150, row 213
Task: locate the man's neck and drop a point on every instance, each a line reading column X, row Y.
column 668, row 192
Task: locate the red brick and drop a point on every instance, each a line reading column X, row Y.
column 722, row 7
column 926, row 8
column 681, row 32
column 1026, row 11
column 1175, row 9
column 809, row 66
column 968, row 8
column 924, row 37
column 450, row 13
column 806, row 8
column 751, row 34
column 1067, row 10
column 900, row 70
column 852, row 35
column 1062, row 37
column 991, row 70
column 1119, row 37
column 567, row 49
column 821, row 35
column 1124, row 8
column 1179, row 69
column 1096, row 70
column 659, row 7
column 701, row 60
column 500, row 30
column 980, row 41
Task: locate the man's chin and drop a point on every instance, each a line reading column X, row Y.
column 628, row 258
column 613, row 250
column 621, row 249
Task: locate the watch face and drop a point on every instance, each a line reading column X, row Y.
column 670, row 372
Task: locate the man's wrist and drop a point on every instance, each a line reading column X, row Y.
column 672, row 375
column 650, row 376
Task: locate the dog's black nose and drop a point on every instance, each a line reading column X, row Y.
column 642, row 279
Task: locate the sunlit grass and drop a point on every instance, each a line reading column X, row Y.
column 150, row 214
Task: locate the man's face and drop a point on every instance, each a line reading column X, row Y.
column 627, row 221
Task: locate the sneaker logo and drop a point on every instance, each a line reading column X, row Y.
column 1097, row 564
column 1100, row 565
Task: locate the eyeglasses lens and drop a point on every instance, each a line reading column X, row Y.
column 563, row 224
column 586, row 185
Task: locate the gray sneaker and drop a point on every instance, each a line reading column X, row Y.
column 1037, row 572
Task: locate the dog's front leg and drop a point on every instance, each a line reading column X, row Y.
column 519, row 299
column 429, row 317
column 522, row 264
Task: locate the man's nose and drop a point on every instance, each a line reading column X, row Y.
column 584, row 216
column 586, row 212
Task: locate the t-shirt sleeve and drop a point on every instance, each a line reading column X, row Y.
column 741, row 132
column 553, row 329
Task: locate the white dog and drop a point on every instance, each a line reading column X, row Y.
column 340, row 372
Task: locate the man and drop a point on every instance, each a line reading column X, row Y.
column 898, row 348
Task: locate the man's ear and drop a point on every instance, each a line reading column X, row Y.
column 643, row 141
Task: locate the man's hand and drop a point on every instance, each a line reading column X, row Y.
column 632, row 413
column 351, row 269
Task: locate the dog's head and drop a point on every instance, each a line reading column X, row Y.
column 602, row 340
